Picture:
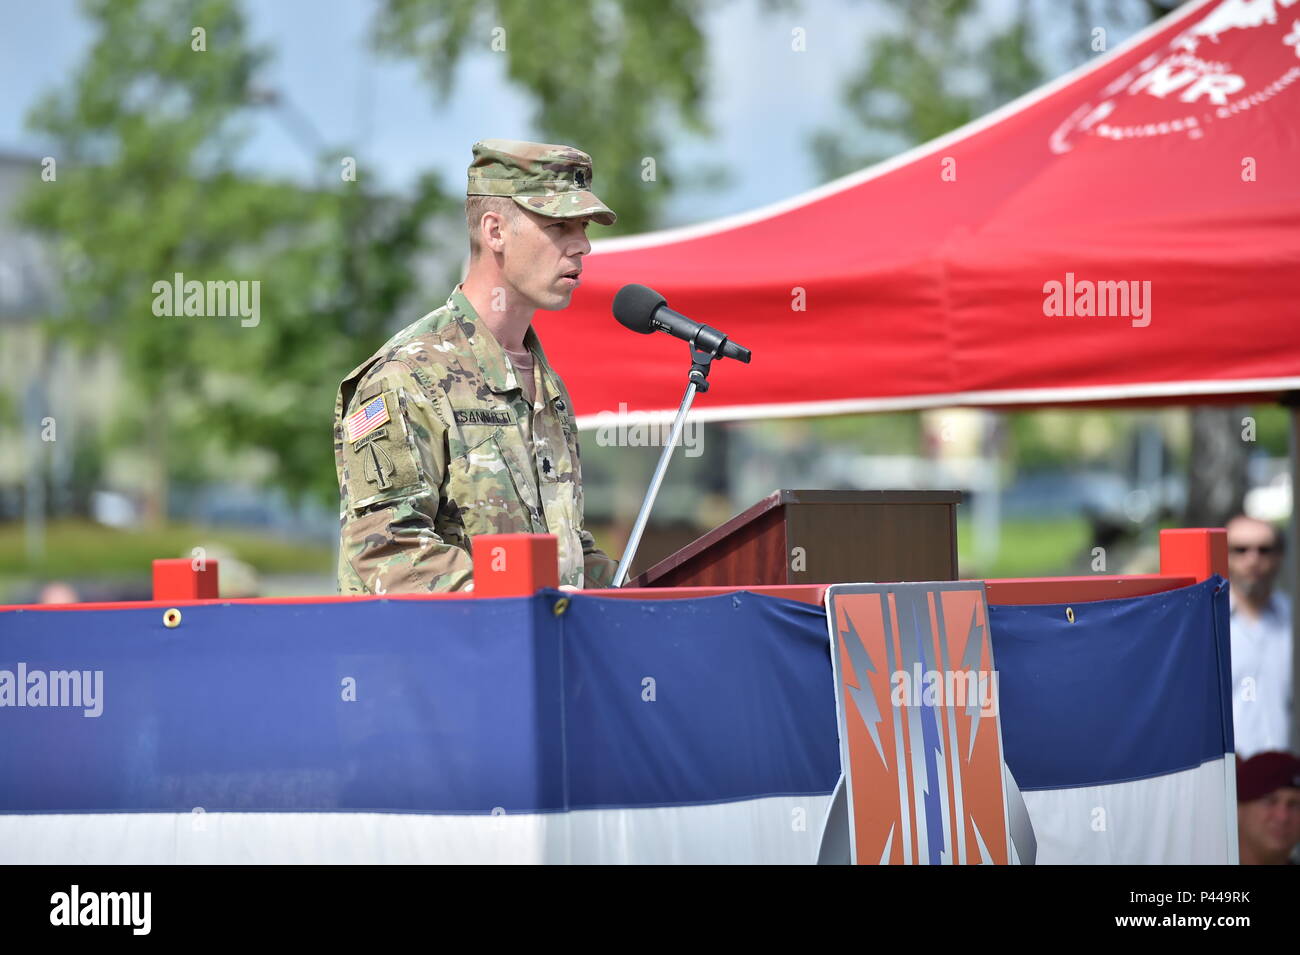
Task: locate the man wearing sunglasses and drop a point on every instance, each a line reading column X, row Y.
column 1261, row 638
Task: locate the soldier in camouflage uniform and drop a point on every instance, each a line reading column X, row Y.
column 458, row 425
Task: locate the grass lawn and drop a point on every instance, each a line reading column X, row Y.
column 82, row 549
column 1027, row 548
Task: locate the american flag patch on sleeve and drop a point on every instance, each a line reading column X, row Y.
column 373, row 414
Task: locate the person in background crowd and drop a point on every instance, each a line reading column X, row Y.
column 1268, row 808
column 1261, row 638
column 58, row 592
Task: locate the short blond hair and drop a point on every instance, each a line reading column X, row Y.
column 476, row 206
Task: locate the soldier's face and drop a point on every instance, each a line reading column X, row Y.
column 543, row 258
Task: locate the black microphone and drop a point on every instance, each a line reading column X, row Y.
column 644, row 310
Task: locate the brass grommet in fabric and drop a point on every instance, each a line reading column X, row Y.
column 171, row 618
column 1069, row 614
column 561, row 605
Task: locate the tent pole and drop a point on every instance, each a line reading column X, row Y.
column 1291, row 401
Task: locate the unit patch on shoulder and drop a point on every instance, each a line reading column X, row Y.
column 379, row 462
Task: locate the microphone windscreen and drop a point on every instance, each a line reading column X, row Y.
column 635, row 306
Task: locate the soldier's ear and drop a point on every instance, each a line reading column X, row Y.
column 492, row 228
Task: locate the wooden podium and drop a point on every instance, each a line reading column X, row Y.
column 822, row 537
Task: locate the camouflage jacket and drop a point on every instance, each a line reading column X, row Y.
column 429, row 452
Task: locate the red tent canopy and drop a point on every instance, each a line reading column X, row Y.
column 1128, row 233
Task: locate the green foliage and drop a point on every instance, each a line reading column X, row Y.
column 947, row 62
column 605, row 76
column 1026, row 548
column 145, row 136
column 882, row 432
column 1272, row 429
column 922, row 80
column 1062, row 438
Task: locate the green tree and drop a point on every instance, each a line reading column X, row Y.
column 929, row 75
column 944, row 63
column 145, row 136
column 605, row 76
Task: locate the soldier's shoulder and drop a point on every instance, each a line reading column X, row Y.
column 438, row 325
column 424, row 342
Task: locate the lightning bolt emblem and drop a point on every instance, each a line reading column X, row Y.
column 863, row 699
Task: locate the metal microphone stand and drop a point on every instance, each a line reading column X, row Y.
column 698, row 380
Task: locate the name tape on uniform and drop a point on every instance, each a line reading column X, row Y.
column 482, row 416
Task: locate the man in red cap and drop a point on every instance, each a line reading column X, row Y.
column 1268, row 808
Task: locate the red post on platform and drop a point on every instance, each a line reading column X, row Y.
column 1199, row 552
column 178, row 580
column 514, row 565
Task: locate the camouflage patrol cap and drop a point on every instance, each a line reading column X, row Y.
column 550, row 180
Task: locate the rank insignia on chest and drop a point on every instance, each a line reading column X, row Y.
column 482, row 416
column 373, row 414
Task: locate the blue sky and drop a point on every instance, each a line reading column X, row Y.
column 763, row 100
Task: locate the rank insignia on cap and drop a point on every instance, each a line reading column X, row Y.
column 372, row 415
